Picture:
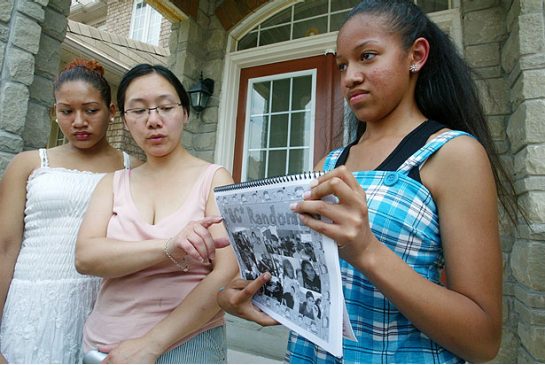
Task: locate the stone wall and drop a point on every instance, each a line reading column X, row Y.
column 30, row 37
column 199, row 46
column 504, row 42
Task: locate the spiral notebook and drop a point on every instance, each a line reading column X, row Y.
column 305, row 291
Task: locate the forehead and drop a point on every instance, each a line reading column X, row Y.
column 362, row 28
column 77, row 89
column 150, row 86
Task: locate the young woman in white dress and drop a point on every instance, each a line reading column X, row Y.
column 43, row 195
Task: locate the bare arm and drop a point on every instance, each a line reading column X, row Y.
column 12, row 207
column 196, row 309
column 465, row 317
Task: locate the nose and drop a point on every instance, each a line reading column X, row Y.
column 352, row 76
column 154, row 120
column 79, row 120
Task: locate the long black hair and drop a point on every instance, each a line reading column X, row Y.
column 146, row 69
column 445, row 90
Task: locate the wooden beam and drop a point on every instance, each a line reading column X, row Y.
column 170, row 10
column 230, row 12
column 189, row 7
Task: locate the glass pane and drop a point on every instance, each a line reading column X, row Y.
column 257, row 132
column 310, row 8
column 343, row 4
column 277, row 163
column 279, row 131
column 248, row 41
column 300, row 129
column 283, row 17
column 337, row 20
column 281, row 95
column 274, row 35
column 310, row 27
column 430, row 6
column 261, row 92
column 302, row 93
column 298, row 161
column 256, row 165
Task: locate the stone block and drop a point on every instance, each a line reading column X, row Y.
column 530, row 161
column 32, row 9
column 55, row 24
column 510, row 52
column 527, row 260
column 13, row 104
column 37, row 126
column 484, row 26
column 26, row 34
column 530, row 316
column 534, row 205
column 204, row 141
column 508, row 347
column 483, row 55
column 10, row 142
column 531, row 298
column 61, row 6
column 533, row 84
column 2, row 53
column 527, row 124
column 5, row 158
column 41, row 90
column 531, row 6
column 6, row 8
column 473, row 5
column 524, row 357
column 531, row 30
column 532, row 61
column 48, row 58
column 494, row 96
column 533, row 338
column 20, row 66
column 530, row 183
column 4, row 33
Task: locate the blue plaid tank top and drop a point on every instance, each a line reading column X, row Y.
column 403, row 216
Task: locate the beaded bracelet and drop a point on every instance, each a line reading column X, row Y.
column 185, row 266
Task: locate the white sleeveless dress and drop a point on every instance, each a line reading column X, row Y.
column 48, row 300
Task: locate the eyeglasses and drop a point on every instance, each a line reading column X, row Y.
column 142, row 114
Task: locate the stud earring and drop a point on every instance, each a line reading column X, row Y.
column 413, row 68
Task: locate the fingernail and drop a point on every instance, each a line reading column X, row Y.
column 293, row 206
column 306, row 195
column 267, row 275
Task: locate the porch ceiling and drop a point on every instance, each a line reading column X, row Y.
column 230, row 12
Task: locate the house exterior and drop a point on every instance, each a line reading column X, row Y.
column 276, row 107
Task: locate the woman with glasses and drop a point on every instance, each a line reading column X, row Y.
column 43, row 197
column 152, row 233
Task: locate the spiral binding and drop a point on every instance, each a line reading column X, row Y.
column 270, row 181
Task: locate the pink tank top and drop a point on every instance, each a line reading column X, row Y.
column 128, row 307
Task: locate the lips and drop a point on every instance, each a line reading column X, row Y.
column 156, row 138
column 357, row 96
column 82, row 136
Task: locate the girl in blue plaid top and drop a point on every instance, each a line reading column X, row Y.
column 405, row 209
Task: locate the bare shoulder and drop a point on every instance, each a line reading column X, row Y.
column 23, row 164
column 464, row 152
column 222, row 177
column 135, row 162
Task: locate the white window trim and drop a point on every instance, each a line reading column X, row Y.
column 448, row 20
column 147, row 21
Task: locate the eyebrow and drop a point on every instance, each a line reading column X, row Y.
column 360, row 45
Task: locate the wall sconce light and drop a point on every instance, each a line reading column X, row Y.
column 200, row 93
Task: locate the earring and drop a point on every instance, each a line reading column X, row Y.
column 112, row 120
column 413, row 68
column 56, row 121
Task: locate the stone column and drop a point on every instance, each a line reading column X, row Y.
column 30, row 36
column 199, row 46
column 524, row 61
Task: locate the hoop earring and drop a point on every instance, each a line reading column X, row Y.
column 413, row 68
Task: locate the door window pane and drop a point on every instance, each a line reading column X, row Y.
column 274, row 35
column 300, row 129
column 248, row 41
column 257, row 132
column 256, row 165
column 261, row 94
column 279, row 131
column 298, row 161
column 281, row 95
column 309, row 9
column 277, row 163
column 302, row 93
column 310, row 27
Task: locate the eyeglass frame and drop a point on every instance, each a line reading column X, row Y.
column 157, row 108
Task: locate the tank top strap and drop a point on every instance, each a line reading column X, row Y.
column 126, row 161
column 207, row 177
column 43, row 157
column 421, row 156
column 334, row 157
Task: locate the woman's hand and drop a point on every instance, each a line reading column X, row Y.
column 196, row 241
column 135, row 351
column 349, row 221
column 236, row 299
